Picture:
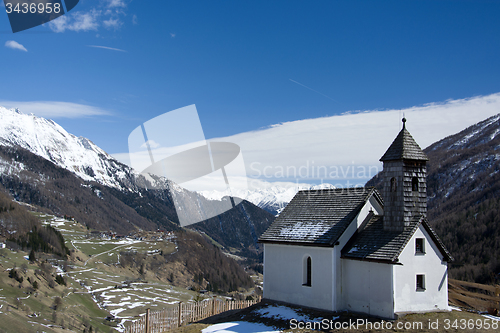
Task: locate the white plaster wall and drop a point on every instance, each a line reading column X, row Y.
column 371, row 205
column 283, row 275
column 435, row 297
column 368, row 287
column 283, row 267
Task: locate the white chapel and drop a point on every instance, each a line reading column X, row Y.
column 357, row 250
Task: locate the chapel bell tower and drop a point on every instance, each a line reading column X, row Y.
column 405, row 187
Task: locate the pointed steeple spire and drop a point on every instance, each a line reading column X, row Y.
column 404, row 147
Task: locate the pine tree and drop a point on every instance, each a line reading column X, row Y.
column 32, row 257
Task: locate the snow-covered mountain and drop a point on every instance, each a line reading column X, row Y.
column 271, row 198
column 47, row 139
column 43, row 165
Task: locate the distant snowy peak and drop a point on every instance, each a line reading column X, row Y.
column 273, row 199
column 49, row 140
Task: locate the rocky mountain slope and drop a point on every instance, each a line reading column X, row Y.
column 463, row 188
column 45, row 138
column 36, row 181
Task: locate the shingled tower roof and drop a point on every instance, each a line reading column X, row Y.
column 404, row 147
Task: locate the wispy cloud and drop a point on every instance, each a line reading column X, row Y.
column 117, row 3
column 113, row 23
column 172, row 35
column 106, row 48
column 55, row 109
column 12, row 44
column 134, row 19
column 78, row 21
column 107, row 14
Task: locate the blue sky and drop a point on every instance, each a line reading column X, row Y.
column 246, row 65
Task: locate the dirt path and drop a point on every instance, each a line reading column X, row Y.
column 113, row 249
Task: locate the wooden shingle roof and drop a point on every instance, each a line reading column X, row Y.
column 318, row 217
column 374, row 243
column 404, row 147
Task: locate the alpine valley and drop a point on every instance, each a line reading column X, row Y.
column 43, row 165
column 88, row 244
column 91, row 225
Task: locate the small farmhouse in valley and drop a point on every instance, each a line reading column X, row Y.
column 355, row 249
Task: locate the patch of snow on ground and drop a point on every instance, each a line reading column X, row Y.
column 239, row 327
column 491, row 317
column 102, row 289
column 115, row 312
column 285, row 313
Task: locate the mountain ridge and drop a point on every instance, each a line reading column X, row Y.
column 43, row 165
column 46, row 138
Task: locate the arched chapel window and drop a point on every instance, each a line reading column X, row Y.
column 307, row 272
column 414, row 184
column 393, row 184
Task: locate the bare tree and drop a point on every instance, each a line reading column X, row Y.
column 57, row 303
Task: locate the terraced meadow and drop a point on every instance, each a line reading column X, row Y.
column 97, row 286
column 114, row 289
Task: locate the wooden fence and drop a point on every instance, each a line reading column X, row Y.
column 477, row 296
column 182, row 314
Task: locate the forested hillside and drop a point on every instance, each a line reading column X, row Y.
column 23, row 230
column 36, row 181
column 196, row 263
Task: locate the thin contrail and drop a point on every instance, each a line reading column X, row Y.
column 313, row 90
column 107, row 48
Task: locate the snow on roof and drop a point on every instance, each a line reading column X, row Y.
column 318, row 217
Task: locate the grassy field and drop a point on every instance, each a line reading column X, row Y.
column 96, row 285
column 23, row 309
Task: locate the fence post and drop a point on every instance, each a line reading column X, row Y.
column 180, row 315
column 213, row 306
column 147, row 320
